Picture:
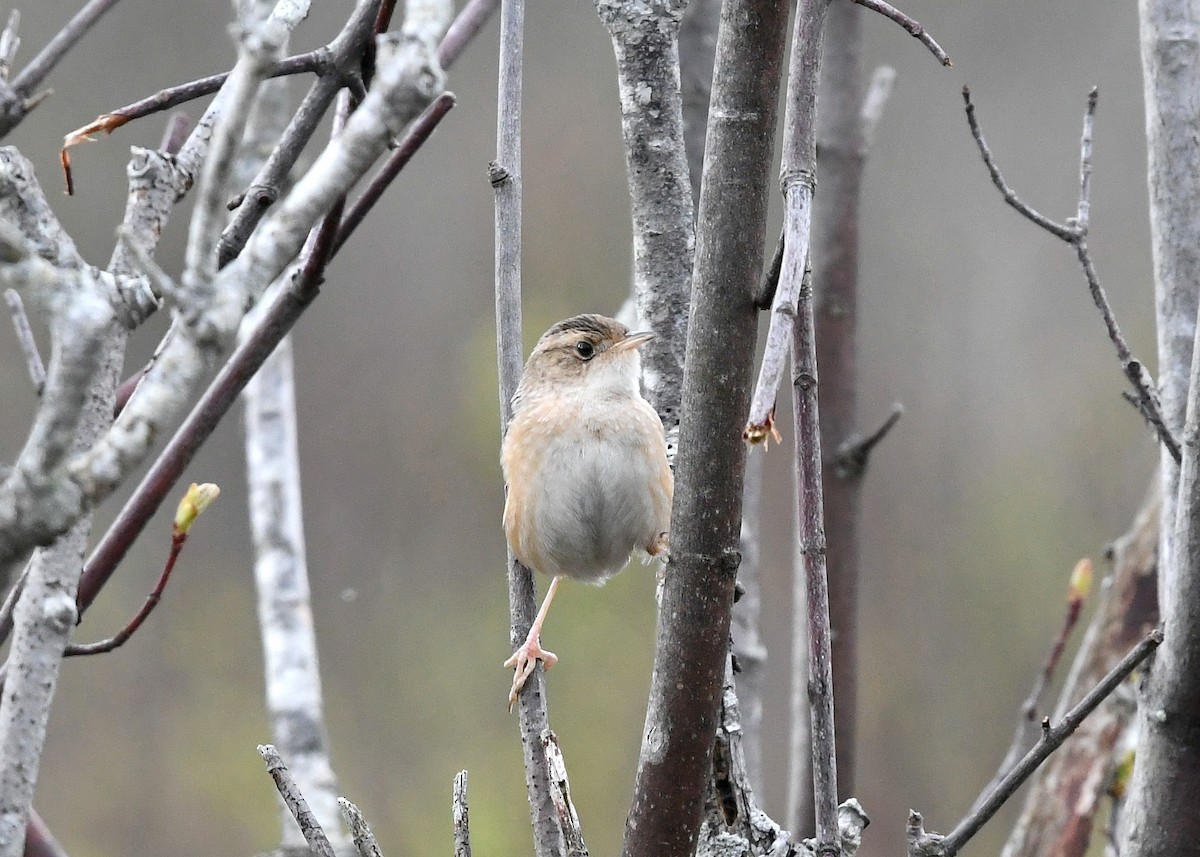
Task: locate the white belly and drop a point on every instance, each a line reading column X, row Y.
column 596, row 503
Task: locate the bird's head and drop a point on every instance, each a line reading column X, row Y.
column 589, row 353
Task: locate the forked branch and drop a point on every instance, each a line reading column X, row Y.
column 1074, row 231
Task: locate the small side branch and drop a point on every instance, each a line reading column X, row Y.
column 33, row 358
column 364, row 839
column 560, row 793
column 913, row 27
column 855, row 451
column 1075, row 232
column 462, row 819
column 313, row 833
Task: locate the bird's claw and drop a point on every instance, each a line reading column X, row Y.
column 524, row 660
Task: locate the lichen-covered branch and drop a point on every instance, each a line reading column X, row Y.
column 645, row 37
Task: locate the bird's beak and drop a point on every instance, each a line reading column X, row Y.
column 636, row 339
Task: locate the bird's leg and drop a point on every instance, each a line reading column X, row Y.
column 525, row 658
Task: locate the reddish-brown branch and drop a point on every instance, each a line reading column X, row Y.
column 152, row 600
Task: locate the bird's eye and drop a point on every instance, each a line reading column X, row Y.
column 585, row 349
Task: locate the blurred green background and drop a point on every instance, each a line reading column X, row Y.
column 1015, row 457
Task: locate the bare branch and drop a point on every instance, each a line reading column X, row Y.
column 1062, row 230
column 470, row 20
column 797, row 180
column 810, row 532
column 10, row 42
column 41, row 65
column 560, row 793
column 364, row 839
column 1075, row 233
column 19, row 97
column 1069, row 792
column 33, row 358
column 913, row 27
column 855, row 451
column 313, row 61
column 345, row 53
column 645, row 42
column 313, row 834
column 505, row 176
column 1080, row 585
column 462, row 818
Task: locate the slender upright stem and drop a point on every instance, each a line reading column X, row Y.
column 505, row 176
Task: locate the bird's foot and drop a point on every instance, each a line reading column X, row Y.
column 524, row 660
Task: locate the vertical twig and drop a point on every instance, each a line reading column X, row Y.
column 292, row 677
column 462, row 817
column 674, row 765
column 835, row 276
column 792, row 318
column 505, row 177
column 33, row 358
column 812, row 555
column 560, row 792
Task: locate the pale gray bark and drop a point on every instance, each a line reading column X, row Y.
column 645, row 37
column 1160, row 817
column 1170, row 39
column 292, row 673
column 408, row 78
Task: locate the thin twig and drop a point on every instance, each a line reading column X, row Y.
column 853, row 454
column 312, row 61
column 1052, row 738
column 364, row 839
column 39, row 841
column 913, row 27
column 175, row 134
column 10, row 600
column 152, row 600
column 346, row 52
column 1075, row 233
column 195, row 430
column 560, row 793
column 33, row 358
column 505, row 177
column 313, row 833
column 198, row 498
column 10, row 41
column 810, row 532
column 470, row 20
column 1063, row 231
column 462, row 818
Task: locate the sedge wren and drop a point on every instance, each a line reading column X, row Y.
column 585, row 459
